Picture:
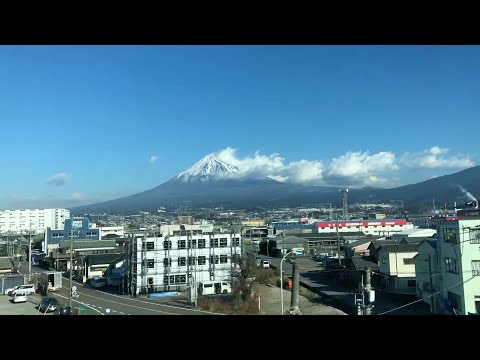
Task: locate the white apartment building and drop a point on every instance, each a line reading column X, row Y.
column 36, row 220
column 187, row 259
column 459, row 254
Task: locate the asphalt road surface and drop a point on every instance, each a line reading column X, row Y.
column 96, row 301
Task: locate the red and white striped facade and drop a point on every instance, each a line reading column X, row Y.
column 381, row 227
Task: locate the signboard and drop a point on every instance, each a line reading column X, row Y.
column 362, row 223
column 76, row 224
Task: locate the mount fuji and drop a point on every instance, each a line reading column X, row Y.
column 209, row 168
column 209, row 182
column 213, row 182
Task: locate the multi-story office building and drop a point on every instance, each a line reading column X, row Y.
column 35, row 220
column 81, row 228
column 185, row 259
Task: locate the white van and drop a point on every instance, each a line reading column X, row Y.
column 28, row 289
column 19, row 296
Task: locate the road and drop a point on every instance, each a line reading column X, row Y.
column 96, row 302
column 334, row 293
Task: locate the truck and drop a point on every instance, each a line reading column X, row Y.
column 50, row 280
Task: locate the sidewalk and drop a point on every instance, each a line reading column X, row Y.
column 270, row 303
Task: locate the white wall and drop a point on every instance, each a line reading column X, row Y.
column 107, row 230
column 467, row 250
column 392, row 263
column 199, row 272
column 35, row 219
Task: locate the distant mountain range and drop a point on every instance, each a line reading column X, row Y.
column 212, row 182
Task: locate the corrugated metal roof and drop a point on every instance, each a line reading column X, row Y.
column 400, row 248
column 364, row 262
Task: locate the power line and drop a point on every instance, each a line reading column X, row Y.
column 429, row 296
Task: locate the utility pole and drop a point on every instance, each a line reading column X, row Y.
column 338, row 244
column 370, row 295
column 432, row 290
column 30, row 254
column 71, row 270
column 294, row 309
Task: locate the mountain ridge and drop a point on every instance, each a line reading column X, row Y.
column 211, row 181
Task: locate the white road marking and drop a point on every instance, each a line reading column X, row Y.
column 122, row 313
column 145, row 302
column 79, row 303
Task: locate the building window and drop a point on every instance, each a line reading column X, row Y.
column 384, row 260
column 201, row 243
column 151, row 263
column 150, row 245
column 223, row 242
column 150, row 281
column 451, row 265
column 201, row 260
column 182, row 244
column 180, row 279
column 213, row 259
column 411, row 283
column 182, row 261
column 475, row 267
column 166, row 279
column 214, row 243
column 450, row 235
column 191, row 260
column 167, row 244
column 474, row 236
column 223, row 259
column 409, row 261
column 167, row 262
column 237, row 241
column 192, row 243
column 454, row 300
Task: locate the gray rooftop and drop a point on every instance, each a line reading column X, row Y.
column 364, row 262
column 83, row 244
column 379, row 243
column 401, row 248
column 357, row 243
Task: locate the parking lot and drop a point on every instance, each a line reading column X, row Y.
column 26, row 308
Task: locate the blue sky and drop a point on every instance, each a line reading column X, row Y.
column 80, row 123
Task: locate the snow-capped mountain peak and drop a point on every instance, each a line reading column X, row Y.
column 207, row 168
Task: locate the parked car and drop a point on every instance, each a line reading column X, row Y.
column 265, row 264
column 19, row 296
column 29, row 289
column 63, row 310
column 49, row 304
column 98, row 282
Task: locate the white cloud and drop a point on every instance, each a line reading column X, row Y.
column 360, row 168
column 435, row 158
column 153, row 159
column 354, row 168
column 58, row 179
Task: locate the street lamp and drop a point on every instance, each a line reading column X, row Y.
column 281, row 279
column 30, row 253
